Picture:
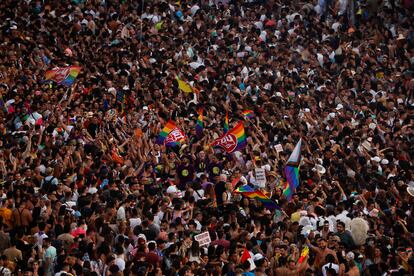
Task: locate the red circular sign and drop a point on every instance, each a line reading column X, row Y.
column 229, row 142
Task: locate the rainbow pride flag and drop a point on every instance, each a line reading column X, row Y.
column 165, row 131
column 303, row 255
column 63, row 75
column 249, row 114
column 199, row 125
column 292, row 170
column 226, row 122
column 286, row 189
column 249, row 192
column 233, row 140
column 238, row 131
column 292, row 177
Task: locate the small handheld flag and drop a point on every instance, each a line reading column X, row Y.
column 249, row 192
column 247, row 257
column 226, row 122
column 292, row 170
column 249, row 114
column 233, row 140
column 165, row 131
column 199, row 125
column 303, row 255
column 63, row 75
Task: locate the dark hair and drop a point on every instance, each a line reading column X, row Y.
column 195, row 248
column 330, row 258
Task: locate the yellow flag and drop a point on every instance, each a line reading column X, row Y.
column 183, row 86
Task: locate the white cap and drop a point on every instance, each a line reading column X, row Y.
column 339, row 106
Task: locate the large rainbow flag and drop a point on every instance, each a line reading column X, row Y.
column 249, row 192
column 199, row 125
column 233, row 140
column 292, row 170
column 63, row 75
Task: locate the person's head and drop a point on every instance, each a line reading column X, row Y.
column 291, row 264
column 329, row 258
column 340, row 226
column 185, row 271
column 326, row 225
column 152, row 246
column 322, row 243
column 46, row 242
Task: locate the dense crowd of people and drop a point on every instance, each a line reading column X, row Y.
column 86, row 190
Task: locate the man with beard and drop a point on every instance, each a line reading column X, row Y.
column 321, row 251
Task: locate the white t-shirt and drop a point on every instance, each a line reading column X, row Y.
column 133, row 222
column 198, row 195
column 40, row 236
column 328, row 266
column 5, row 271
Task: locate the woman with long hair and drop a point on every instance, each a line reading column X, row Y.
column 194, row 252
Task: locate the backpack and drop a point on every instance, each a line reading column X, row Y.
column 48, row 186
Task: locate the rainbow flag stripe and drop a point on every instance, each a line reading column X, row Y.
column 226, row 123
column 249, row 192
column 165, row 131
column 173, row 144
column 248, row 114
column 199, row 125
column 238, row 131
column 63, row 75
column 292, row 177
